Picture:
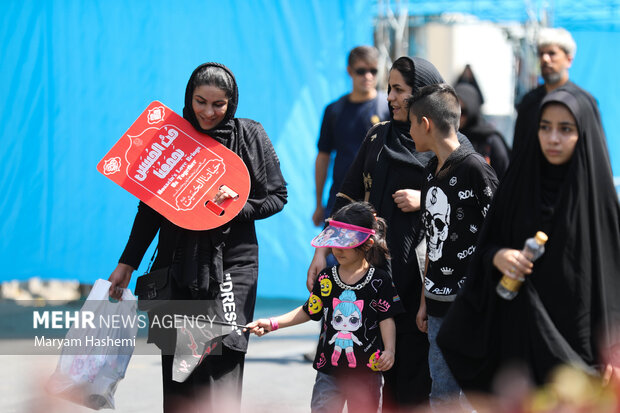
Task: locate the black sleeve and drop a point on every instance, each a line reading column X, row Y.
column 422, row 221
column 484, row 182
column 145, row 226
column 268, row 193
column 485, row 178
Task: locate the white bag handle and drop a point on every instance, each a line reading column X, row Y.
column 100, row 291
column 128, row 296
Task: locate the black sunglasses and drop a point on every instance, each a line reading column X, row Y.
column 362, row 71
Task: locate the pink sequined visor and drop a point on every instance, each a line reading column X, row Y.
column 341, row 235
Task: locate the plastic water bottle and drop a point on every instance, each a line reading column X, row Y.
column 534, row 247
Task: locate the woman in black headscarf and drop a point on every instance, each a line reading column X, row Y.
column 568, row 308
column 388, row 172
column 205, row 264
column 487, row 141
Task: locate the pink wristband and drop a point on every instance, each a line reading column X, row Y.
column 274, row 324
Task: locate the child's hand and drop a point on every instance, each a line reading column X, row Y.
column 259, row 327
column 386, row 360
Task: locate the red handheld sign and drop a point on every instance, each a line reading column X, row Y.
column 177, row 170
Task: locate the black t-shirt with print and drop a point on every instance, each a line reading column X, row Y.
column 351, row 337
column 454, row 203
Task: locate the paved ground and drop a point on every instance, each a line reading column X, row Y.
column 276, row 378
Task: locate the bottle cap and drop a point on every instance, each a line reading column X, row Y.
column 541, row 237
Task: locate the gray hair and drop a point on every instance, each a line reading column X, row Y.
column 557, row 36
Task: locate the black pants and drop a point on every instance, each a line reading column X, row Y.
column 408, row 382
column 214, row 386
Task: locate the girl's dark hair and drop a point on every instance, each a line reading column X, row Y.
column 363, row 214
column 215, row 76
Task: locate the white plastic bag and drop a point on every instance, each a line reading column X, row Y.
column 89, row 373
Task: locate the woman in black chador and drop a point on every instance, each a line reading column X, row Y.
column 487, row 140
column 209, row 263
column 567, row 309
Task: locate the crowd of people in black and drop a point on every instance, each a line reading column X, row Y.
column 454, row 204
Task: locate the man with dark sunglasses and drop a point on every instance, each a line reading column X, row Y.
column 345, row 123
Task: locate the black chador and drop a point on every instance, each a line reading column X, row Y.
column 568, row 309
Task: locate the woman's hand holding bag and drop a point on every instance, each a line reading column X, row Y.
column 89, row 370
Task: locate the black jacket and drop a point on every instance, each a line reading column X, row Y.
column 207, row 264
column 454, row 203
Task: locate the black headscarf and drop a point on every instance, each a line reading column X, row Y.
column 567, row 309
column 526, row 124
column 399, row 146
column 476, row 128
column 484, row 137
column 222, row 131
column 467, row 77
column 199, row 254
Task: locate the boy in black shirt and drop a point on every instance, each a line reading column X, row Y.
column 454, row 200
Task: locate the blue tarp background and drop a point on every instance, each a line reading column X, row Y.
column 595, row 68
column 75, row 74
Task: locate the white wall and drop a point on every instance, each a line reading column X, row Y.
column 485, row 48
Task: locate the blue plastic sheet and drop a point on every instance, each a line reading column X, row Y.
column 76, row 74
column 595, row 68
